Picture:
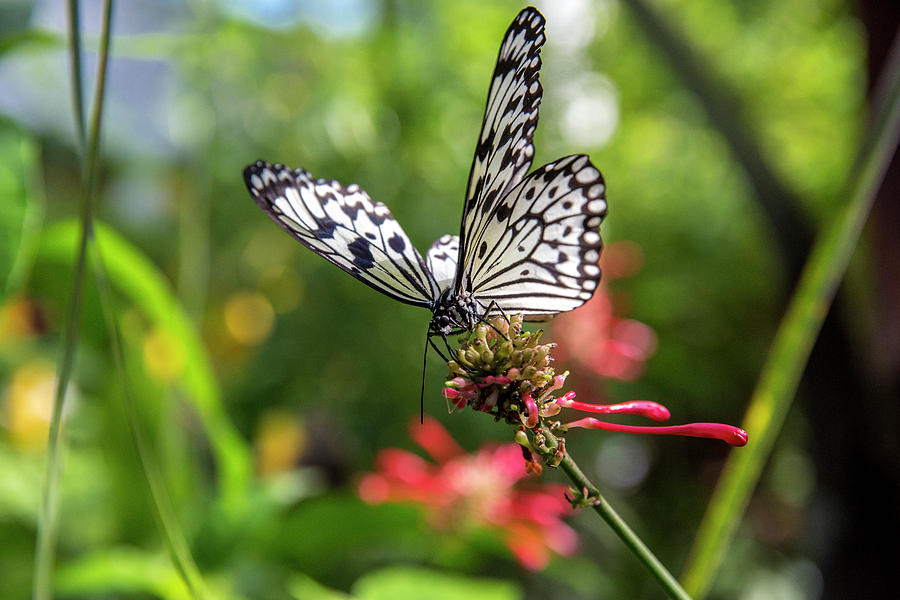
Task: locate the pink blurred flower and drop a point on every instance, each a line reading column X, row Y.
column 595, row 336
column 460, row 491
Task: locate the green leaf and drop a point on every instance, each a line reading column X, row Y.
column 304, row 587
column 29, row 37
column 21, row 210
column 414, row 583
column 120, row 571
column 135, row 276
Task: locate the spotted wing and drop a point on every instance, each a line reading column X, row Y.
column 538, row 251
column 505, row 149
column 441, row 259
column 344, row 226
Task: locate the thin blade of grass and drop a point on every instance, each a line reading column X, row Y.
column 794, row 339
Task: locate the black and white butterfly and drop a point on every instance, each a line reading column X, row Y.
column 528, row 244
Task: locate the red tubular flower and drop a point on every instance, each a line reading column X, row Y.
column 729, row 434
column 459, row 491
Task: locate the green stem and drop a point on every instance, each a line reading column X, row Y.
column 75, row 64
column 618, row 525
column 93, row 143
column 794, row 340
column 48, row 523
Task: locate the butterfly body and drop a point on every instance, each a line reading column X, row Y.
column 454, row 312
column 528, row 243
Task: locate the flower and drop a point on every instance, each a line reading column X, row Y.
column 595, row 336
column 505, row 371
column 460, row 491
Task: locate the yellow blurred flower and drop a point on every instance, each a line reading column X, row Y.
column 280, row 442
column 28, row 404
column 249, row 317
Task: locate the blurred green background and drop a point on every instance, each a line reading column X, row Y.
column 267, row 380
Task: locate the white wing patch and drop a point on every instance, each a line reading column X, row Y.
column 441, row 260
column 344, row 226
column 505, row 149
column 538, row 251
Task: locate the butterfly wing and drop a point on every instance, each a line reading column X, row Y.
column 441, row 259
column 505, row 149
column 343, row 225
column 538, row 250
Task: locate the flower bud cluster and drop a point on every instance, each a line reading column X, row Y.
column 505, row 371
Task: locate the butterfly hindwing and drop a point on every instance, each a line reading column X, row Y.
column 441, row 259
column 505, row 147
column 539, row 249
column 344, row 226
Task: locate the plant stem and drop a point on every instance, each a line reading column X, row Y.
column 618, row 525
column 48, row 523
column 74, row 25
column 794, row 340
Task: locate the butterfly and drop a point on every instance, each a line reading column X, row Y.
column 528, row 243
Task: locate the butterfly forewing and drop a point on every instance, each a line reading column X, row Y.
column 505, row 149
column 344, row 226
column 539, row 249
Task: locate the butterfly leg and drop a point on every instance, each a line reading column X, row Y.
column 450, row 350
column 484, row 317
column 438, row 350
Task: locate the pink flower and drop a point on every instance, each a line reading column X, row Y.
column 460, row 491
column 595, row 336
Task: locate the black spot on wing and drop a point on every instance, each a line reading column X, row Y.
column 397, row 243
column 326, row 228
column 362, row 253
